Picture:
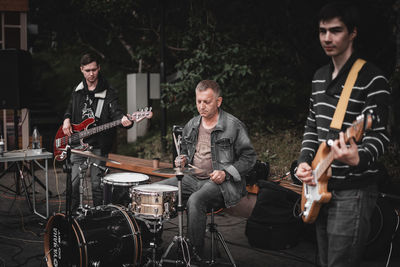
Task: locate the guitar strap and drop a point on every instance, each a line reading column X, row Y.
column 337, row 121
column 100, row 103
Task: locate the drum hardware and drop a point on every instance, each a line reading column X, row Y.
column 67, row 168
column 154, row 227
column 88, row 154
column 181, row 242
column 82, row 173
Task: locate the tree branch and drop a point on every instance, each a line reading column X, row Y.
column 99, row 53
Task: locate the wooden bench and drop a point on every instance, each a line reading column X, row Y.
column 145, row 166
column 139, row 165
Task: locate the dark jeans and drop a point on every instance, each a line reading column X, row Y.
column 343, row 225
column 95, row 175
column 203, row 195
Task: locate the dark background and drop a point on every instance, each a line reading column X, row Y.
column 262, row 53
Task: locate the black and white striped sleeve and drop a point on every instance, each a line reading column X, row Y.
column 309, row 145
column 375, row 141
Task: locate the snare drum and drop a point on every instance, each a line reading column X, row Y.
column 154, row 201
column 117, row 185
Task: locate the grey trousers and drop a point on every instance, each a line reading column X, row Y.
column 201, row 195
column 343, row 225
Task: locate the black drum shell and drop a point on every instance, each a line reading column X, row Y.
column 106, row 236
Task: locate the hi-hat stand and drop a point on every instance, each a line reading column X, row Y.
column 181, row 242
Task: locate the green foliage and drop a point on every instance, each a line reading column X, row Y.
column 254, row 75
column 262, row 53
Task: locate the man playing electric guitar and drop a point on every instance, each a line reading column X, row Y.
column 92, row 98
column 343, row 223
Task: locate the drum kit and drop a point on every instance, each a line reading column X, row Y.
column 126, row 230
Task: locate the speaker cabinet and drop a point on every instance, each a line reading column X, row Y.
column 15, row 79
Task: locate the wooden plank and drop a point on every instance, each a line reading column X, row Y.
column 146, row 166
column 137, row 165
column 253, row 189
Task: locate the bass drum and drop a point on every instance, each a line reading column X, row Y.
column 106, row 236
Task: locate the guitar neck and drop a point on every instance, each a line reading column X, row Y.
column 97, row 129
column 323, row 165
column 327, row 161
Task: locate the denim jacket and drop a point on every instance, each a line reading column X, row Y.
column 231, row 150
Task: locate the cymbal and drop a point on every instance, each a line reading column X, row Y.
column 89, row 154
column 178, row 171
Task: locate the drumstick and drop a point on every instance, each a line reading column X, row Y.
column 192, row 166
column 177, row 145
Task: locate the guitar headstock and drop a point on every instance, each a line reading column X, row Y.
column 137, row 116
column 363, row 123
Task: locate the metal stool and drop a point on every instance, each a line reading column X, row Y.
column 215, row 237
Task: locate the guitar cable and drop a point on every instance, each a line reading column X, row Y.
column 296, row 207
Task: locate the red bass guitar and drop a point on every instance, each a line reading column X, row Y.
column 81, row 131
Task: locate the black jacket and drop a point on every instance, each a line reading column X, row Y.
column 110, row 111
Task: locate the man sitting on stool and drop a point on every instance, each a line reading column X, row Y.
column 218, row 143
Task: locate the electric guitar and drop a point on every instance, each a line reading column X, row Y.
column 312, row 196
column 82, row 131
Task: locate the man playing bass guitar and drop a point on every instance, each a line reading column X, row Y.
column 343, row 223
column 92, row 98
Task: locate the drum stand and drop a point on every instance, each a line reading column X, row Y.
column 82, row 172
column 67, row 168
column 83, row 167
column 182, row 243
column 157, row 225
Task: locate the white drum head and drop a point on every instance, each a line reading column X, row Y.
column 125, row 178
column 155, row 188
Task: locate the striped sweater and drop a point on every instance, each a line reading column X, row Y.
column 371, row 91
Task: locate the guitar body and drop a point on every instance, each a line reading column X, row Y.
column 314, row 196
column 61, row 140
